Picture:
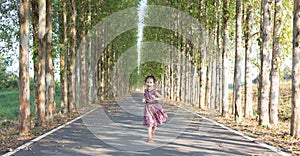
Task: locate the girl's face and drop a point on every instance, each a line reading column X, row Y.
column 149, row 83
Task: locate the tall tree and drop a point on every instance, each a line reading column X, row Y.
column 63, row 57
column 248, row 109
column 208, row 82
column 49, row 67
column 225, row 56
column 88, row 53
column 71, row 61
column 219, row 60
column 238, row 63
column 202, row 50
column 295, row 118
column 35, row 23
column 83, row 48
column 24, row 90
column 264, row 89
column 274, row 91
column 41, row 63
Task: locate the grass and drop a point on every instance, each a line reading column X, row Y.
column 9, row 104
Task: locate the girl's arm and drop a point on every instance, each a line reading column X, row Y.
column 158, row 96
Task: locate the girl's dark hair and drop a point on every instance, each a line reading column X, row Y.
column 150, row 76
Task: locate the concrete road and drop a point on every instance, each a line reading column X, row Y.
column 116, row 129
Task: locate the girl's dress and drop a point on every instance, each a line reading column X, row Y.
column 153, row 112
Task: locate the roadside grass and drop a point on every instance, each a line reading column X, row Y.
column 9, row 104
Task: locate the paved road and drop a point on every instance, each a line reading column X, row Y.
column 116, row 129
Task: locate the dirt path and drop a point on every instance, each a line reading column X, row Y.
column 116, row 129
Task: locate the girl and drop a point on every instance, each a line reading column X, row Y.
column 154, row 114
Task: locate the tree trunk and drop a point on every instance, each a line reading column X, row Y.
column 50, row 85
column 83, row 53
column 295, row 117
column 213, row 81
column 238, row 63
column 208, row 82
column 63, row 61
column 225, row 62
column 183, row 70
column 248, row 109
column 35, row 23
column 219, row 61
column 264, row 88
column 71, row 62
column 41, row 63
column 24, row 90
column 274, row 91
column 88, row 54
column 179, row 69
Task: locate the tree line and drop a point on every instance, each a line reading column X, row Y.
column 200, row 80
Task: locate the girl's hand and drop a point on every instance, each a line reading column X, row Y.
column 153, row 97
column 144, row 100
column 158, row 97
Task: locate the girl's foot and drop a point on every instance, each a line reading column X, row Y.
column 150, row 139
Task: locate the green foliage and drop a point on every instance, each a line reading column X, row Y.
column 8, row 29
column 154, row 68
column 7, row 80
column 123, row 42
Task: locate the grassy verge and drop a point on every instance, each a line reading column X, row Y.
column 9, row 104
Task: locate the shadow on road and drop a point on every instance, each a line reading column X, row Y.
column 116, row 129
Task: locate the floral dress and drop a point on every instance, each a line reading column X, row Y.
column 154, row 114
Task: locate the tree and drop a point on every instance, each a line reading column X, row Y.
column 225, row 56
column 49, row 66
column 63, row 57
column 203, row 66
column 248, row 109
column 41, row 63
column 219, row 60
column 24, row 90
column 295, row 117
column 35, row 23
column 83, row 51
column 238, row 63
column 264, row 90
column 274, row 91
column 71, row 61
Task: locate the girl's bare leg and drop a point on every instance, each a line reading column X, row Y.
column 153, row 130
column 150, row 134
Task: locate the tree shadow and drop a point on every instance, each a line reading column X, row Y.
column 123, row 134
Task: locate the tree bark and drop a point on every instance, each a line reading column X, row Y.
column 202, row 51
column 50, row 85
column 213, row 80
column 24, row 90
column 71, row 62
column 41, row 63
column 248, row 109
column 274, row 91
column 264, row 88
column 295, row 117
column 225, row 62
column 238, row 63
column 35, row 23
column 88, row 54
column 83, row 54
column 208, row 83
column 63, row 61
